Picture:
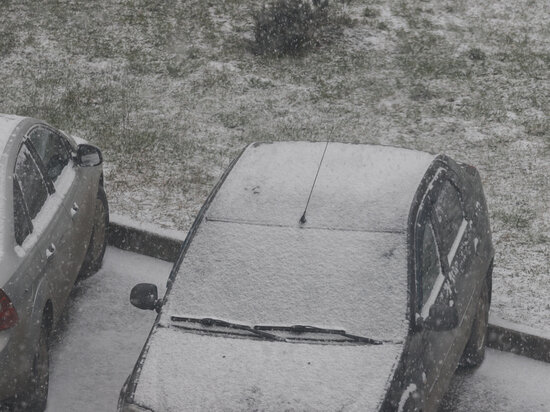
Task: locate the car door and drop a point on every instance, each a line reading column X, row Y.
column 73, row 190
column 41, row 227
column 457, row 245
column 441, row 279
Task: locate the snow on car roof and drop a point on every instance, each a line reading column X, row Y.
column 7, row 124
column 359, row 187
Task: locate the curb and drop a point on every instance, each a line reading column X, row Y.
column 144, row 242
column 501, row 335
column 512, row 337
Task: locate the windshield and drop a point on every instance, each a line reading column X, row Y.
column 262, row 275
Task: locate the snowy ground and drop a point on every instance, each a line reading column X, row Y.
column 102, row 335
column 171, row 92
column 504, row 382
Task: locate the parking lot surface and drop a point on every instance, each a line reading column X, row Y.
column 101, row 335
column 503, row 383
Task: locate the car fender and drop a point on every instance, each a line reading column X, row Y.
column 40, row 300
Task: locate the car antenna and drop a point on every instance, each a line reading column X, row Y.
column 303, row 218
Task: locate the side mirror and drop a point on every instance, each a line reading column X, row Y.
column 145, row 296
column 88, row 155
column 441, row 318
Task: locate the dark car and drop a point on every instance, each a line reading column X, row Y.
column 322, row 277
column 53, row 220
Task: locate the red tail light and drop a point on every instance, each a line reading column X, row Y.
column 8, row 314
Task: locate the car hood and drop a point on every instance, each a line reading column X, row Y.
column 188, row 371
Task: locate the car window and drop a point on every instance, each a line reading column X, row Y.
column 33, row 186
column 52, row 149
column 429, row 265
column 449, row 216
column 22, row 223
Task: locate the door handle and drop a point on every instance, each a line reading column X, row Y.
column 50, row 251
column 74, row 209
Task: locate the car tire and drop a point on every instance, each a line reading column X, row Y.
column 36, row 398
column 474, row 352
column 98, row 241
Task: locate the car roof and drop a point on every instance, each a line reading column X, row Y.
column 252, row 261
column 7, row 124
column 358, row 187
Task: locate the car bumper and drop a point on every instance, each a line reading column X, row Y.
column 15, row 364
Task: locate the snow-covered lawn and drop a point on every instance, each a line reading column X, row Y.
column 171, row 92
column 101, row 334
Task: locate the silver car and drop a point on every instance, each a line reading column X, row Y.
column 53, row 220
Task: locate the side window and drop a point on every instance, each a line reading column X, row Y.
column 52, row 149
column 22, row 223
column 31, row 182
column 448, row 214
column 429, row 266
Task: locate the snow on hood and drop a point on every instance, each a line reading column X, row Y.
column 185, row 371
column 359, row 187
column 252, row 274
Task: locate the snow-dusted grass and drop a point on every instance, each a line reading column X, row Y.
column 171, row 92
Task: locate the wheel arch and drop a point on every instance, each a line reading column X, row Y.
column 47, row 316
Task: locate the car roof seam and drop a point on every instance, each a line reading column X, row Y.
column 249, row 223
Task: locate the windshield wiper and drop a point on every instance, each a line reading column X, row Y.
column 219, row 322
column 315, row 329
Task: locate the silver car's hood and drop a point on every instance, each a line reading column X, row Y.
column 187, row 371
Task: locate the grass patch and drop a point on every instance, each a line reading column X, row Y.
column 370, row 12
column 287, row 27
column 520, row 218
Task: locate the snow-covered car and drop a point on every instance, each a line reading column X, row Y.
column 322, row 277
column 53, row 220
